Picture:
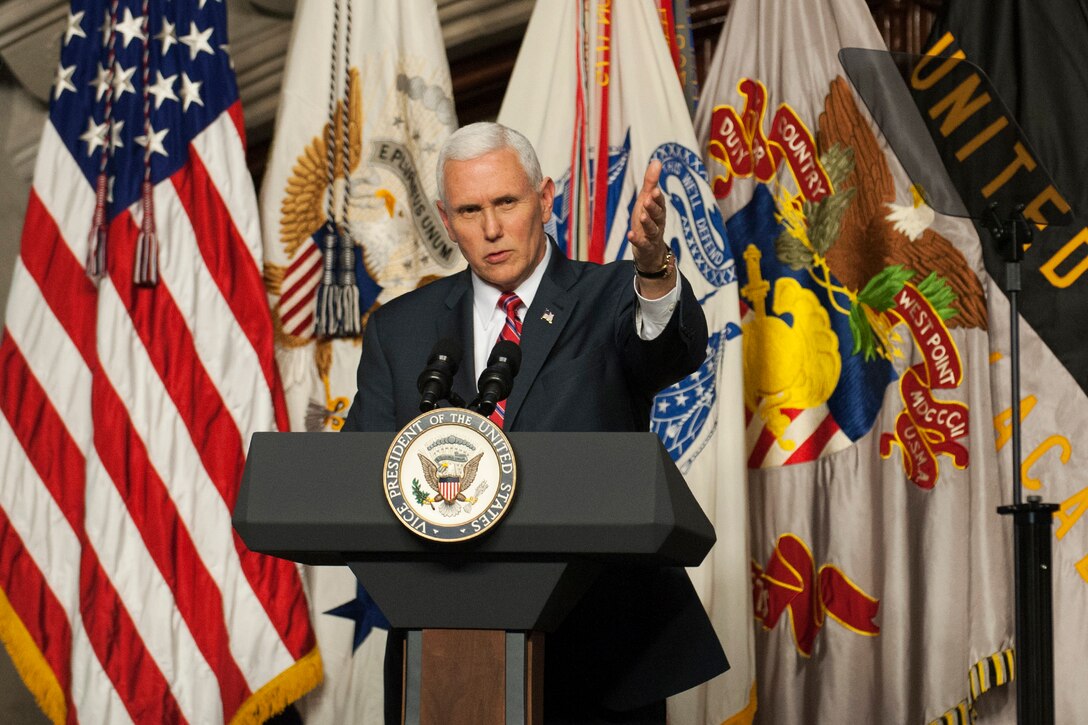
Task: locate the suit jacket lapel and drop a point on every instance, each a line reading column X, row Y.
column 455, row 321
column 553, row 307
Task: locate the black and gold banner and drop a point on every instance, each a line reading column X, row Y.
column 1033, row 53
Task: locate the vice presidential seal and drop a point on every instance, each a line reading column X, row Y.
column 449, row 475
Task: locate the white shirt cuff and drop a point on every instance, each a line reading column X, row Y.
column 652, row 316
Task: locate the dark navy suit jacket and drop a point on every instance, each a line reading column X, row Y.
column 636, row 636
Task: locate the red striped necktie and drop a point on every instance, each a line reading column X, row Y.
column 511, row 330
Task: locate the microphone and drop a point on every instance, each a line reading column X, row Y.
column 435, row 381
column 497, row 378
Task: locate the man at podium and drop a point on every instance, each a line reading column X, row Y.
column 597, row 343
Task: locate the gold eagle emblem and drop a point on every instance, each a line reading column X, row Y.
column 302, row 211
column 449, row 488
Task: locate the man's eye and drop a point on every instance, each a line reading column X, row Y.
column 468, row 213
column 507, row 203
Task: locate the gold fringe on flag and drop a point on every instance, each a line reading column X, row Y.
column 30, row 663
column 992, row 671
column 278, row 693
column 748, row 715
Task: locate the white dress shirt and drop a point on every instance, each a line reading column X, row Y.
column 651, row 316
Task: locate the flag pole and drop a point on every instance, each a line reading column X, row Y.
column 1032, row 520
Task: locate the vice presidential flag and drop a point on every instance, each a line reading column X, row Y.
column 881, row 572
column 609, row 104
column 349, row 193
column 135, row 364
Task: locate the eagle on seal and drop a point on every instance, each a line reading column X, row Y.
column 449, row 488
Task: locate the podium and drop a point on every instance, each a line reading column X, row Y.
column 475, row 610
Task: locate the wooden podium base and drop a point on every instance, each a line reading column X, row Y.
column 473, row 677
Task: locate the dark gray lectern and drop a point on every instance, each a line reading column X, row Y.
column 474, row 609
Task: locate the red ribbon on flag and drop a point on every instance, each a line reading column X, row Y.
column 739, row 144
column 927, row 427
column 791, row 583
column 600, row 176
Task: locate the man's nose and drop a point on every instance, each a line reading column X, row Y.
column 492, row 227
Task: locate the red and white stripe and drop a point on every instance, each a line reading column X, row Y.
column 812, row 433
column 126, row 415
column 449, row 489
column 298, row 300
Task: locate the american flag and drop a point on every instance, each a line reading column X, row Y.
column 127, row 410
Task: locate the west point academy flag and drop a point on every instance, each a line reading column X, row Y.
column 128, row 407
column 349, row 223
column 881, row 572
column 1033, row 55
column 609, row 103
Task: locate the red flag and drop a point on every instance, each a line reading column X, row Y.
column 127, row 410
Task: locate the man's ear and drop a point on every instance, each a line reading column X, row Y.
column 445, row 218
column 547, row 196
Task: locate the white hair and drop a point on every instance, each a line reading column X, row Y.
column 476, row 139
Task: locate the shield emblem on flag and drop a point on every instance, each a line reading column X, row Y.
column 449, row 487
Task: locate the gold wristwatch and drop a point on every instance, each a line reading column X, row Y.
column 660, row 273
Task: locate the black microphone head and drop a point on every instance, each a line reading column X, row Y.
column 449, row 348
column 507, row 352
column 435, row 381
column 497, row 379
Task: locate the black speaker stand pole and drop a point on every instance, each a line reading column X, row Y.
column 1032, row 520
